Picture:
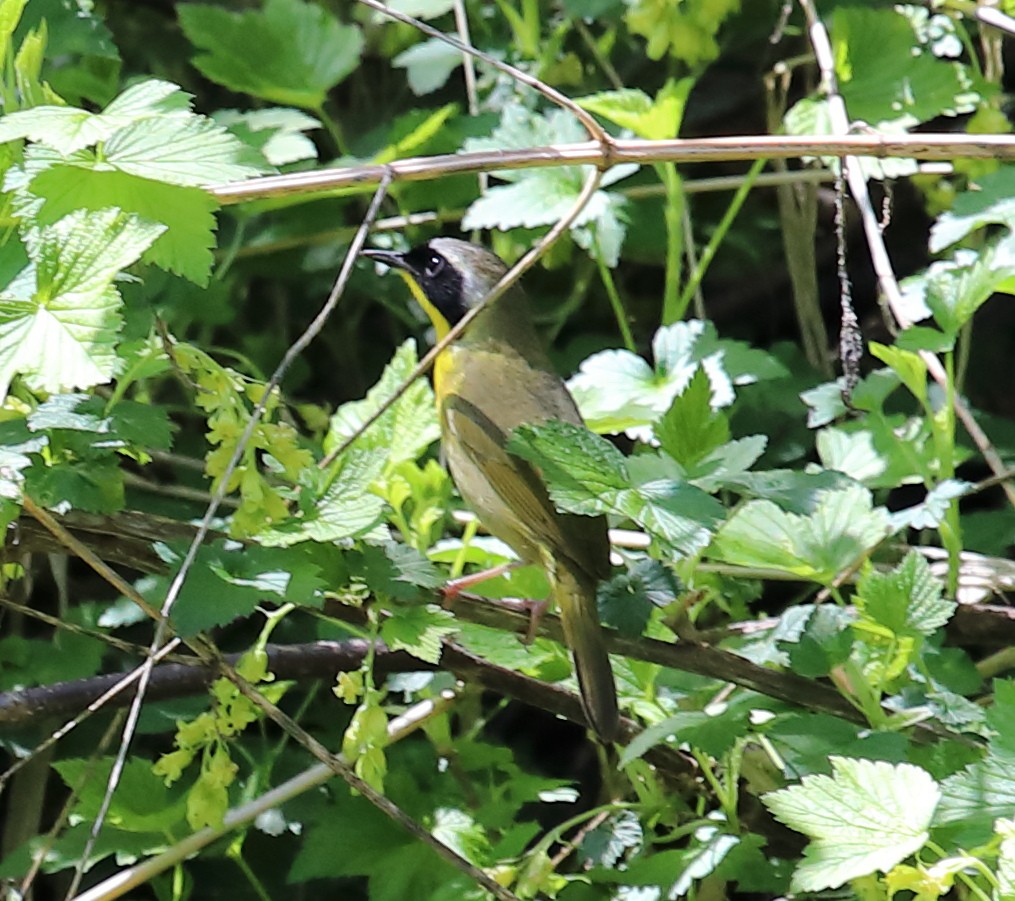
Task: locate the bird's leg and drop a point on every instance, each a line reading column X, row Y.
column 535, row 610
column 454, row 587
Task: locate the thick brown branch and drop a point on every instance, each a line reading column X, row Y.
column 174, row 680
column 315, row 660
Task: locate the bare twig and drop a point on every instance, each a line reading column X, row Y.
column 316, row 775
column 929, row 146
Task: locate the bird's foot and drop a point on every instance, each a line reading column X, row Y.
column 535, row 610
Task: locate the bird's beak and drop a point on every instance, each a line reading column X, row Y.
column 391, row 258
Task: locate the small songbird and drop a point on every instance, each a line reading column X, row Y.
column 495, row 377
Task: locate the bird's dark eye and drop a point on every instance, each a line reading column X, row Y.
column 434, row 264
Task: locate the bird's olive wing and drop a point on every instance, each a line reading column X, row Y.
column 517, row 485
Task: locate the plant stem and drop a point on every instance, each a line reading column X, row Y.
column 618, row 305
column 708, row 254
column 673, row 216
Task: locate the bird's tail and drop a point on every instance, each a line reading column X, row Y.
column 575, row 594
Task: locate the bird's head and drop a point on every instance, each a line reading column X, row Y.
column 447, row 277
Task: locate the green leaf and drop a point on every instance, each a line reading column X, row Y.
column 727, row 464
column 887, row 76
column 867, row 817
column 428, row 65
column 630, row 108
column 587, row 475
column 918, row 337
column 909, row 367
column 955, row 293
column 907, row 601
column 851, row 453
column 690, row 428
column 1006, row 859
column 289, row 52
column 185, row 245
column 396, row 571
column 842, row 529
column 65, row 658
column 973, row 799
column 141, row 802
column 228, row 581
column 627, row 599
column 129, row 423
column 538, row 197
column 824, row 642
column 59, row 319
column 803, row 741
column 617, row 390
column 418, row 630
column 579, row 468
column 69, row 129
column 92, row 485
column 405, row 430
column 276, row 133
column 348, row 509
column 991, row 201
column 791, row 490
column 192, row 152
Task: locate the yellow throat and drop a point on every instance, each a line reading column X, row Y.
column 442, row 365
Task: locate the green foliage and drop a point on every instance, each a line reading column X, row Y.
column 772, row 544
column 535, row 197
column 867, row 816
column 290, row 52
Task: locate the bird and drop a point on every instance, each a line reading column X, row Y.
column 495, row 377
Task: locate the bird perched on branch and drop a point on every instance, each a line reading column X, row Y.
column 495, row 377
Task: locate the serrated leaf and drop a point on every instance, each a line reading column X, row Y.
column 866, row 817
column 418, row 630
column 887, row 75
column 228, row 581
column 851, row 453
column 289, row 52
column 348, row 509
column 69, row 128
column 990, row 201
column 60, row 319
column 690, row 428
column 931, row 511
column 654, row 119
column 627, row 599
column 824, row 642
column 842, row 529
column 192, row 152
column 953, row 294
column 397, row 571
column 277, row 132
column 617, row 390
column 974, row 798
column 406, row 429
column 141, row 803
column 185, row 246
column 908, row 600
column 540, row 197
column 585, row 474
column 727, row 463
